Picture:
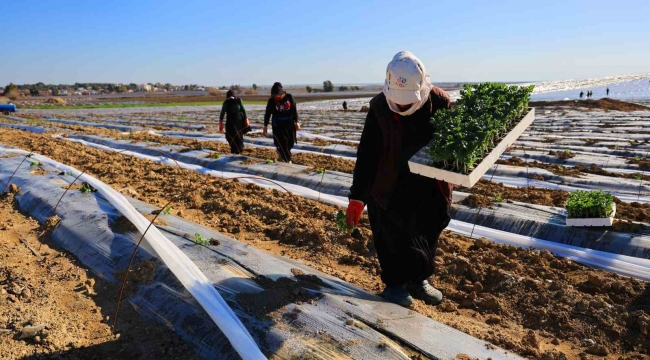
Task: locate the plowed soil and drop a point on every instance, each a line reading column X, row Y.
column 573, row 171
column 624, row 211
column 602, row 104
column 527, row 301
column 314, row 160
column 531, row 195
column 43, row 287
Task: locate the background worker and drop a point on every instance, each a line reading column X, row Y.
column 281, row 110
column 407, row 212
column 237, row 123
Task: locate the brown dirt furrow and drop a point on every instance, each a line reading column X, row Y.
column 624, row 211
column 602, row 104
column 523, row 300
column 318, row 161
column 573, row 171
column 531, row 195
column 74, row 308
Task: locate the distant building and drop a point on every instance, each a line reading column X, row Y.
column 63, row 92
column 144, row 88
column 44, row 93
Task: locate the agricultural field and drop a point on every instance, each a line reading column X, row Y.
column 515, row 278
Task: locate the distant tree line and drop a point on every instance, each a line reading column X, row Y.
column 105, row 87
column 329, row 87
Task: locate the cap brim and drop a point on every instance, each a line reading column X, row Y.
column 403, row 97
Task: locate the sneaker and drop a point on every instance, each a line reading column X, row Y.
column 425, row 292
column 398, row 295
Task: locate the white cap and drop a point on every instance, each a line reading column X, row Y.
column 405, row 79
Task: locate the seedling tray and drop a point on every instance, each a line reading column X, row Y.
column 584, row 222
column 421, row 162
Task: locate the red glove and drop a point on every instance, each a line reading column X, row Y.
column 355, row 209
column 247, row 123
column 220, row 126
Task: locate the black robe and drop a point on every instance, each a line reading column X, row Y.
column 407, row 211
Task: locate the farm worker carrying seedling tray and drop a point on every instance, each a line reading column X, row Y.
column 407, row 211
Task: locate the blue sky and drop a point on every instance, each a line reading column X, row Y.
column 299, row 42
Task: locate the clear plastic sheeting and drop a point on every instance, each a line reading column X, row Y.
column 544, row 222
column 613, row 187
column 292, row 188
column 184, row 269
column 621, row 264
column 93, row 230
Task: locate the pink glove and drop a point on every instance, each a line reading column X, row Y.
column 355, row 209
column 220, row 126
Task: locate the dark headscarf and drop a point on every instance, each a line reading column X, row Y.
column 230, row 94
column 277, row 89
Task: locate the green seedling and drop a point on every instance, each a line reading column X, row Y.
column 637, row 158
column 167, row 210
column 484, row 114
column 85, row 188
column 589, row 204
column 341, row 222
column 69, row 173
column 498, row 198
column 200, row 239
column 637, row 177
column 34, row 163
column 216, row 156
column 320, row 171
column 269, row 161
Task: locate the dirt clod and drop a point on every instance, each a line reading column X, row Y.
column 530, row 339
column 448, row 307
column 598, row 350
column 14, row 189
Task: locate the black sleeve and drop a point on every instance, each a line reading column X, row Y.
column 243, row 109
column 270, row 106
column 440, row 98
column 294, row 110
column 223, row 111
column 368, row 157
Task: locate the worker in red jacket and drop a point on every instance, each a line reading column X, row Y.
column 407, row 212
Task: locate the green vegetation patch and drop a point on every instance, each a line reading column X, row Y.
column 484, row 114
column 589, row 204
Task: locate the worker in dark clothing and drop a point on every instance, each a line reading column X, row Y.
column 607, row 91
column 345, row 106
column 281, row 110
column 237, row 123
column 407, row 212
column 581, row 94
